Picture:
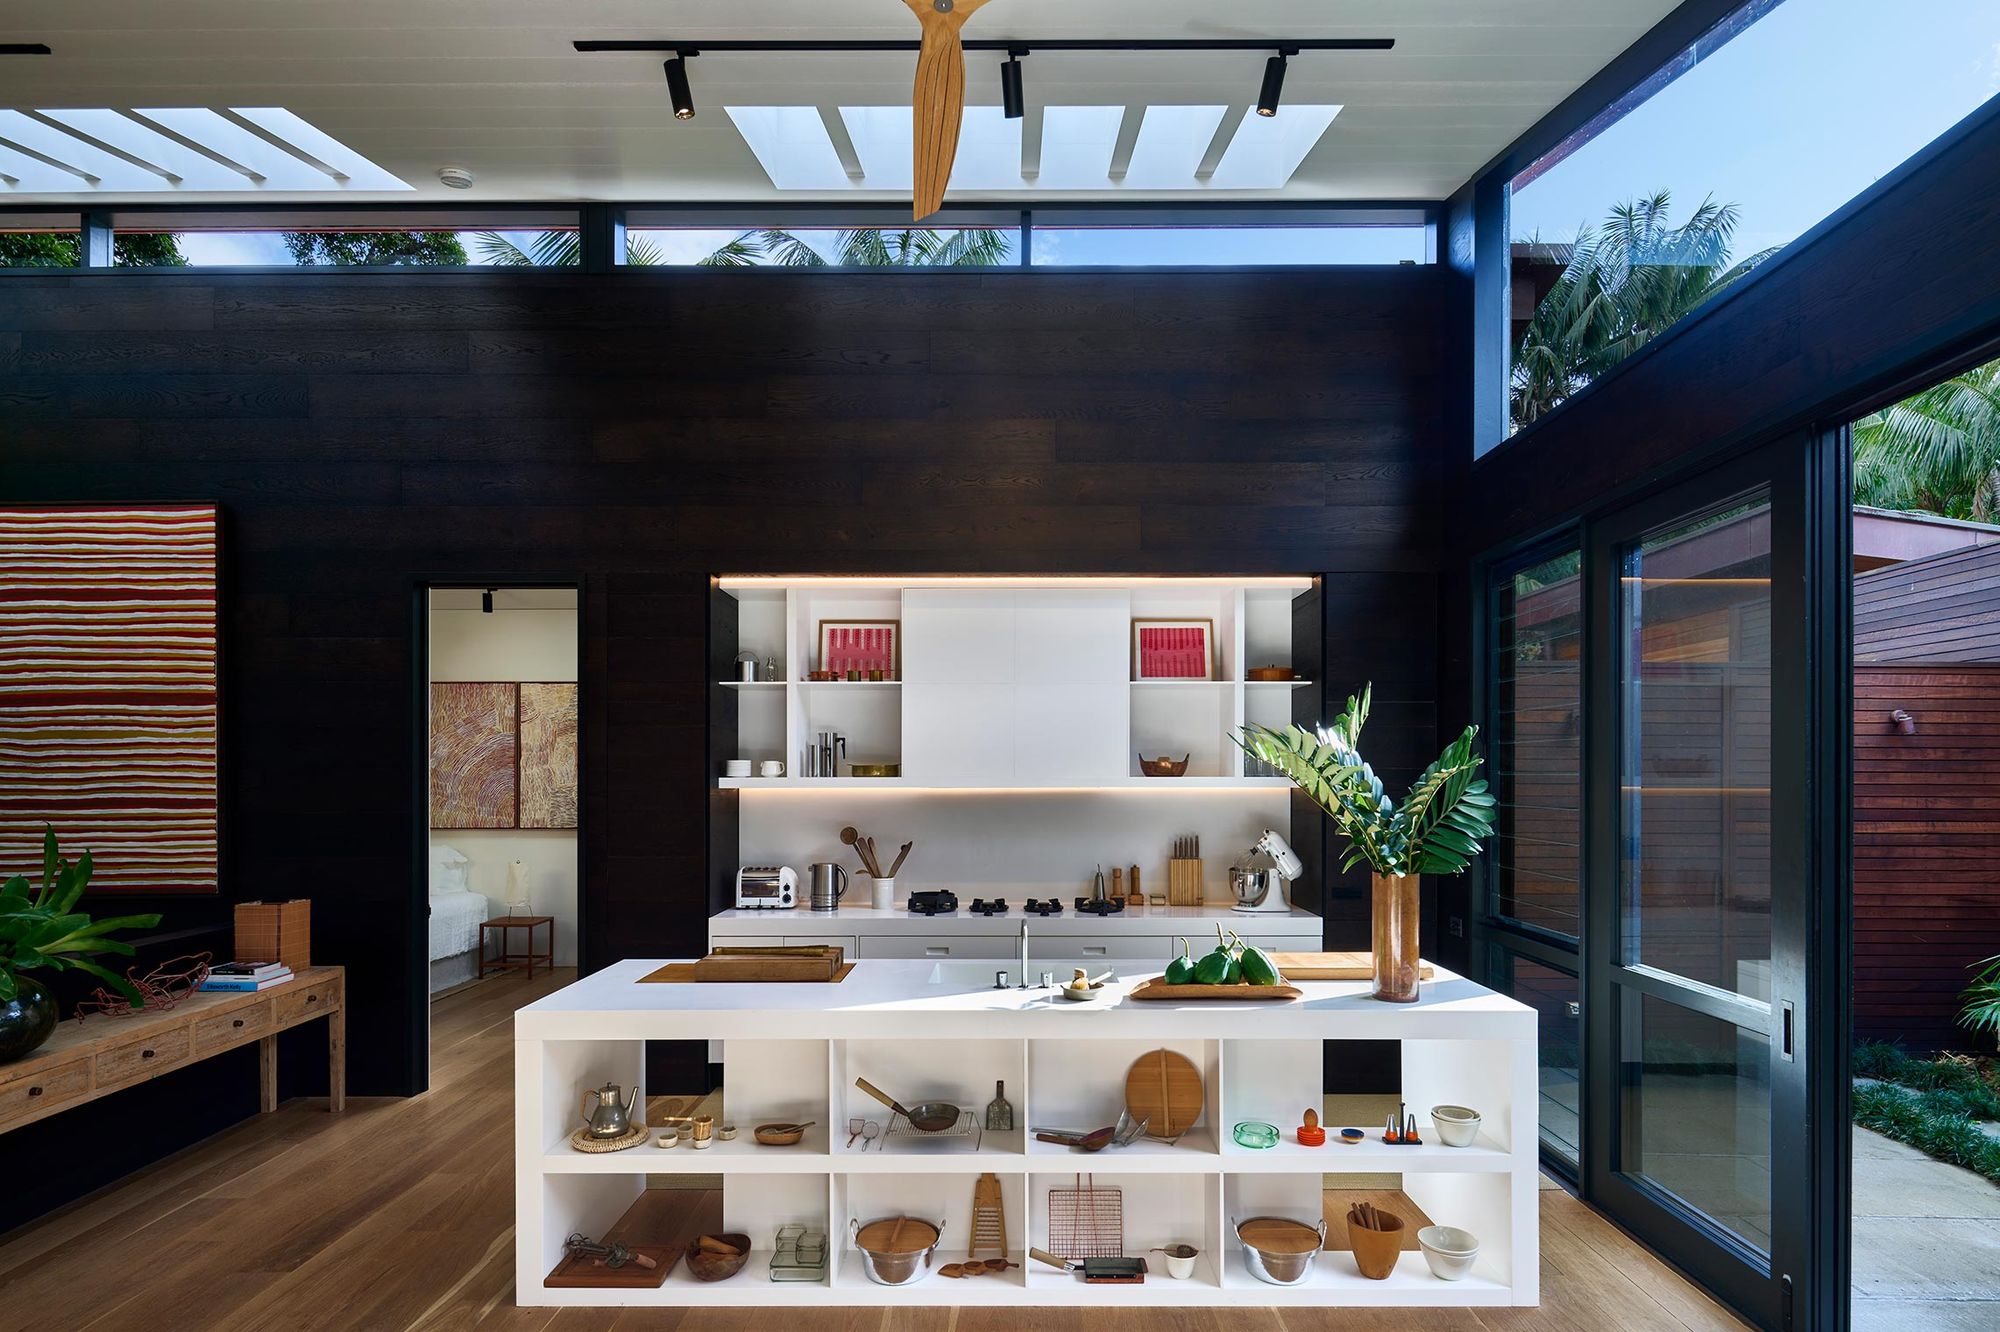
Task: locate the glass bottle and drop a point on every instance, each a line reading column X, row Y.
column 999, row 1112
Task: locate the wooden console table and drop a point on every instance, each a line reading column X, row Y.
column 101, row 1054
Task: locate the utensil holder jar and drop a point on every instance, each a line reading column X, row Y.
column 1376, row 1251
column 1393, row 920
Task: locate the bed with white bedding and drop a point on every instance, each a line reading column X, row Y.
column 456, row 913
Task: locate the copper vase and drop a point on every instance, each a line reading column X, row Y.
column 1393, row 921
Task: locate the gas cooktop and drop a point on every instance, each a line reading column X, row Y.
column 1110, row 906
column 937, row 902
column 982, row 907
column 1051, row 907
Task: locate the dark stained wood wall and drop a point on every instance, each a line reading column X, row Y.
column 645, row 430
column 1926, row 843
column 1945, row 609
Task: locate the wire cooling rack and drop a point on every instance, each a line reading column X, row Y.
column 1086, row 1221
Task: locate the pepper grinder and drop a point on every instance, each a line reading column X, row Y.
column 1134, row 897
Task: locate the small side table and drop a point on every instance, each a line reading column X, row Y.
column 506, row 959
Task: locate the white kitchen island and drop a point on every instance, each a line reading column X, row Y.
column 924, row 1029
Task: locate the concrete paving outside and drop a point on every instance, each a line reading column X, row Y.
column 1926, row 1242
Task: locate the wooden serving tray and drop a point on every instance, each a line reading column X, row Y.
column 1156, row 988
column 1334, row 966
column 687, row 973
column 577, row 1271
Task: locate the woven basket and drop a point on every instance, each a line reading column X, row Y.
column 583, row 1142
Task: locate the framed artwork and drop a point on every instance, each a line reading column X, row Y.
column 1173, row 649
column 862, row 645
column 547, row 755
column 474, row 748
column 108, row 655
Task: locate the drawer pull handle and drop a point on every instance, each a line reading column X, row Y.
column 145, row 1054
column 1093, row 950
column 312, row 998
column 34, row 1092
column 237, row 1023
column 935, row 950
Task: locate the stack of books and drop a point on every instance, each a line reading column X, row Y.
column 246, row 976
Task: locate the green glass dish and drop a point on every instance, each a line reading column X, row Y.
column 1253, row 1133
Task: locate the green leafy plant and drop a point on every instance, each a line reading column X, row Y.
column 1982, row 998
column 1436, row 830
column 44, row 929
column 1930, row 1122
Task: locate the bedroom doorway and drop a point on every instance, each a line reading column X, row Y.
column 502, row 794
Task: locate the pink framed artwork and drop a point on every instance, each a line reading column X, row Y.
column 861, row 645
column 1173, row 649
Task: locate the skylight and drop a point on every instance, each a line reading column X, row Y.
column 177, row 149
column 1076, row 148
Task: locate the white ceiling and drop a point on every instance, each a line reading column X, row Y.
column 493, row 85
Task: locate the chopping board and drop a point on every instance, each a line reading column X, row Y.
column 1164, row 1089
column 1334, row 966
column 578, row 1271
column 775, row 965
column 1156, row 988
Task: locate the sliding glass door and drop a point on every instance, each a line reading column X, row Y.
column 1698, row 857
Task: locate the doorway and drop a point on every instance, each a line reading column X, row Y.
column 502, row 798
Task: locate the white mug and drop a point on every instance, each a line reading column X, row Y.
column 736, row 767
column 771, row 768
column 885, row 894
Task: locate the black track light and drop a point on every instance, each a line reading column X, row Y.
column 678, row 89
column 486, row 601
column 1012, row 105
column 1274, row 85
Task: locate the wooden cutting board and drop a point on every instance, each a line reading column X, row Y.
column 1333, row 966
column 684, row 973
column 1164, row 1089
column 1156, row 988
column 576, row 1271
column 896, row 1235
column 780, row 964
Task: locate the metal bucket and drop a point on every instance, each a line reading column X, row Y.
column 1279, row 1269
column 895, row 1269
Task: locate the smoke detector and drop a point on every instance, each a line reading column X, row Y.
column 457, row 178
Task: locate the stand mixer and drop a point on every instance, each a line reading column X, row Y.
column 1258, row 880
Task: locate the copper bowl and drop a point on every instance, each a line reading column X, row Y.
column 1164, row 766
column 708, row 1265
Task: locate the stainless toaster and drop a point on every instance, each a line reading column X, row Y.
column 774, row 887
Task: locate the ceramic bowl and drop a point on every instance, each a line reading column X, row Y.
column 1449, row 1251
column 1456, row 1125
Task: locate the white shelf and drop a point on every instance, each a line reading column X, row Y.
column 1100, row 784
column 1005, row 1288
column 1334, row 1280
column 750, row 684
column 849, row 686
column 1053, row 1287
column 1194, row 1153
column 1277, row 684
column 1369, row 1156
column 743, row 1153
column 1179, row 684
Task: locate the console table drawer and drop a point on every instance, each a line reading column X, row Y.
column 31, row 1094
column 297, row 1004
column 232, row 1028
column 135, row 1060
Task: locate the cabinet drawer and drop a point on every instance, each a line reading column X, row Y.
column 142, row 1057
column 1160, row 948
column 220, row 1031
column 31, row 1094
column 305, row 1002
column 940, row 946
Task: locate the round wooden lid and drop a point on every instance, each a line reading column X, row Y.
column 896, row 1234
column 1277, row 1234
column 1163, row 1088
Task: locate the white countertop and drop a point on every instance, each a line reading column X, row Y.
column 1165, row 920
column 957, row 999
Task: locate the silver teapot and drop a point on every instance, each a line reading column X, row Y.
column 612, row 1117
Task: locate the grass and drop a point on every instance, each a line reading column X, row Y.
column 1933, row 1105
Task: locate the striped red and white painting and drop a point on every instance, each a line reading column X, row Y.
column 108, row 706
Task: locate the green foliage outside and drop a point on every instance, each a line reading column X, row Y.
column 1626, row 282
column 64, row 249
column 375, row 249
column 1935, row 1105
column 1938, row 452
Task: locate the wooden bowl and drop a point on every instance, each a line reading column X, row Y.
column 779, row 1135
column 1266, row 673
column 1164, row 766
column 708, row 1265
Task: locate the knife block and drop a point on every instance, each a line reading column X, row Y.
column 1184, row 883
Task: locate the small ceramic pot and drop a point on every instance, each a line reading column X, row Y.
column 1180, row 1260
column 1450, row 1251
column 884, row 896
column 668, row 1138
column 1456, row 1125
column 727, row 1133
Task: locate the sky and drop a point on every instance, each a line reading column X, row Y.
column 1791, row 119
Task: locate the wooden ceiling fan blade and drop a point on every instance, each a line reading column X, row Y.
column 937, row 101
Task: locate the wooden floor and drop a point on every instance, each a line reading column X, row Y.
column 397, row 1216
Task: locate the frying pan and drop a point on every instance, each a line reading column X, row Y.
column 924, row 1116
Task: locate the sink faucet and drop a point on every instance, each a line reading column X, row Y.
column 1024, row 952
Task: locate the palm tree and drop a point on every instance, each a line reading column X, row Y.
column 553, row 249
column 971, row 247
column 1625, row 284
column 1937, row 451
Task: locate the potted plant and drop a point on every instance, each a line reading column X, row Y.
column 1436, row 830
column 44, row 929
